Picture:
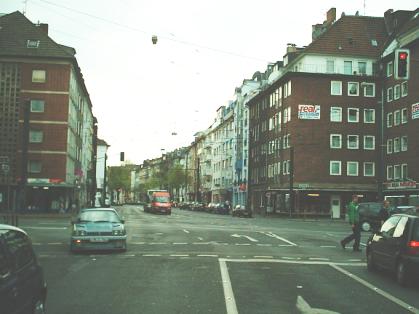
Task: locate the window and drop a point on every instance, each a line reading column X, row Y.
column 403, row 143
column 404, row 89
column 38, row 76
column 390, row 225
column 369, row 89
column 37, row 105
column 389, row 172
column 369, row 115
column 397, row 172
column 336, row 114
column 389, row 94
column 352, row 168
column 404, row 115
column 397, row 91
column 289, row 88
column 389, row 119
column 336, row 88
column 335, row 141
column 285, row 167
column 347, row 67
column 32, row 43
column 20, row 248
column 362, row 67
column 397, row 117
column 404, row 171
column 330, row 66
column 353, row 115
column 35, row 136
column 369, row 142
column 390, row 69
column 353, row 88
column 369, row 169
column 353, row 142
column 389, row 146
column 35, row 166
column 335, row 168
column 396, row 144
column 399, row 231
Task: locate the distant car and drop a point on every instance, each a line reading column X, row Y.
column 241, row 211
column 22, row 285
column 396, row 247
column 369, row 215
column 98, row 229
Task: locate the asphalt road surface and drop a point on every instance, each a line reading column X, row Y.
column 193, row 262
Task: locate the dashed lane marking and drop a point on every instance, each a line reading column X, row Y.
column 243, row 244
column 207, row 255
column 55, row 243
column 328, row 246
column 263, row 256
column 180, row 243
column 259, row 244
column 157, row 243
column 179, row 255
column 319, row 259
column 151, row 255
column 186, row 231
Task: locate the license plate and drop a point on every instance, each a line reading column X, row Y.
column 98, row 240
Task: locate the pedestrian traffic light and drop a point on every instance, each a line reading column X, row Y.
column 122, row 157
column 402, row 64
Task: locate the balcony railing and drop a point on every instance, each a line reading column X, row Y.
column 319, row 68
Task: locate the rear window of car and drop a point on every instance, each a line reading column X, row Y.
column 99, row 215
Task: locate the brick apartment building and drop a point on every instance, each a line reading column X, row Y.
column 42, row 76
column 315, row 134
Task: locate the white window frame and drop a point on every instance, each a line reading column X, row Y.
column 357, row 88
column 373, row 115
column 390, row 173
column 404, row 89
column 389, row 120
column 34, row 101
column 339, row 83
column 396, row 95
column 373, row 168
column 331, row 115
column 390, row 69
column 389, row 146
column 340, row 141
column 289, row 88
column 373, row 142
column 36, row 136
column 397, row 118
column 395, row 167
column 404, row 171
column 357, row 115
column 344, row 67
column 331, row 167
column 33, row 162
column 396, row 145
column 404, row 116
column 404, row 143
column 357, row 141
column 347, row 168
column 366, row 65
column 39, row 76
column 328, row 63
column 365, row 89
column 390, row 94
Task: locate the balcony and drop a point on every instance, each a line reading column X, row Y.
column 319, row 68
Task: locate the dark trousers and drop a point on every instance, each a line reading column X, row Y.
column 356, row 235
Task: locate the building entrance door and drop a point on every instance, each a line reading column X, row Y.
column 335, row 205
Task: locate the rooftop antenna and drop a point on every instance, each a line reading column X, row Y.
column 25, row 5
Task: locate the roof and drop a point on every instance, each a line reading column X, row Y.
column 16, row 30
column 351, row 35
column 102, row 142
column 9, row 227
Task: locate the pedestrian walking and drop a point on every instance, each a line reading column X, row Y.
column 353, row 213
column 385, row 211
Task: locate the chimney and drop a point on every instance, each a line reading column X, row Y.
column 291, row 48
column 331, row 16
column 43, row 27
column 388, row 20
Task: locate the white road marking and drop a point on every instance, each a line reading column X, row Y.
column 273, row 235
column 137, row 243
column 262, row 256
column 148, row 255
column 286, row 245
column 45, row 228
column 207, row 255
column 354, row 260
column 305, row 308
column 318, row 259
column 201, row 239
column 259, row 244
column 244, row 236
column 186, row 231
column 377, row 290
column 127, row 255
column 328, row 246
column 228, row 290
column 157, row 243
column 179, row 255
column 363, row 244
column 245, row 244
column 291, row 258
column 283, row 261
column 180, row 243
column 55, row 243
column 201, row 243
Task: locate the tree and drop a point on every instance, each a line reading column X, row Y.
column 119, row 178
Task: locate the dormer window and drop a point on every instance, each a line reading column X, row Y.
column 374, row 43
column 32, row 43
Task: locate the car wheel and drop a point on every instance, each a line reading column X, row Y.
column 371, row 266
column 38, row 307
column 366, row 226
column 401, row 274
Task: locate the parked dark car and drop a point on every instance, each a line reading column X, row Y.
column 241, row 211
column 396, row 247
column 369, row 215
column 98, row 229
column 22, row 285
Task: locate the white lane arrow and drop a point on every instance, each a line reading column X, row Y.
column 244, row 236
column 305, row 308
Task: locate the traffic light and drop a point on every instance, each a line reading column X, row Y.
column 402, row 64
column 122, row 157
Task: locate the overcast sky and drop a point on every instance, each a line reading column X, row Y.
column 142, row 93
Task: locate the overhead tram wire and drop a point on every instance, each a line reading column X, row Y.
column 183, row 42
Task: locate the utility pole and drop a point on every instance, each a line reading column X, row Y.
column 198, row 182
column 186, row 177
column 104, row 183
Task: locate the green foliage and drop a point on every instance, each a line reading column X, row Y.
column 119, row 177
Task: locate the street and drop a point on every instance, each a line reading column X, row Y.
column 195, row 262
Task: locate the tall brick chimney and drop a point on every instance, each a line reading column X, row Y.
column 43, row 27
column 331, row 16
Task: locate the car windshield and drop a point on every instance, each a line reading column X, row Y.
column 98, row 216
column 161, row 199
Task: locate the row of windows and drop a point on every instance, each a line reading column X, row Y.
column 352, row 141
column 274, row 99
column 352, row 88
column 394, row 93
column 352, row 115
column 352, row 168
column 397, row 144
column 397, row 172
column 397, row 117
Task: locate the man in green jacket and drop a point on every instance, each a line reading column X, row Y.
column 353, row 213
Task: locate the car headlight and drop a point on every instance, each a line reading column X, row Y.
column 118, row 232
